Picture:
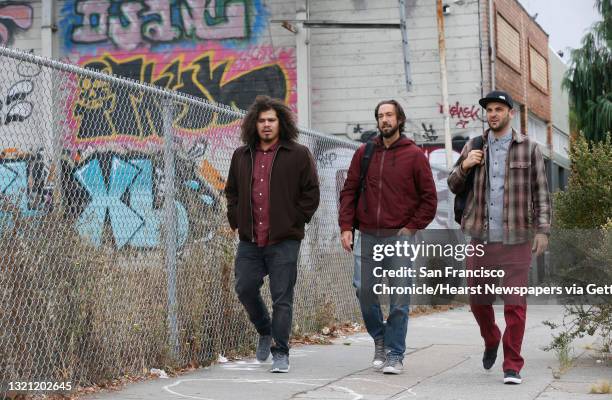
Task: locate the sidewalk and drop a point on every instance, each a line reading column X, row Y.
column 443, row 361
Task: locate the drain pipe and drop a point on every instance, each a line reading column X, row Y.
column 492, row 50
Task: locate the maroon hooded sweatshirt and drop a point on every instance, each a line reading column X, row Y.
column 399, row 189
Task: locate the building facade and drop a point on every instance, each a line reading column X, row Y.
column 331, row 74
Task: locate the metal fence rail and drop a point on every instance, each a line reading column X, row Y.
column 115, row 255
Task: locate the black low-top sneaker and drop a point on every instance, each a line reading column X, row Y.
column 511, row 377
column 489, row 357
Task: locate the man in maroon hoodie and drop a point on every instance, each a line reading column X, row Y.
column 398, row 198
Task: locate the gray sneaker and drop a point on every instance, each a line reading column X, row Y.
column 263, row 348
column 280, row 362
column 379, row 354
column 393, row 365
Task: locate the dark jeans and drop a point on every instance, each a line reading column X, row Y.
column 279, row 262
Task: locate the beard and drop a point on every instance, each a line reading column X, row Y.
column 388, row 131
column 502, row 125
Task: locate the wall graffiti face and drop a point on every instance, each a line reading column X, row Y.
column 129, row 24
column 14, row 17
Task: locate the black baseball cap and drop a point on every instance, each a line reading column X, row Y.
column 498, row 96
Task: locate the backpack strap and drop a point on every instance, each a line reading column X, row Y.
column 363, row 170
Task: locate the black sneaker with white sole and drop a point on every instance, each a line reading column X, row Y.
column 489, row 357
column 512, row 377
column 379, row 354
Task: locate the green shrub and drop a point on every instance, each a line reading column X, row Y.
column 581, row 241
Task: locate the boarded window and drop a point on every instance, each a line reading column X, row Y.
column 508, row 43
column 538, row 69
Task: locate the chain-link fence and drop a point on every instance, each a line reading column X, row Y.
column 115, row 255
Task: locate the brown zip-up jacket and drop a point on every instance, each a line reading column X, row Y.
column 294, row 192
column 527, row 205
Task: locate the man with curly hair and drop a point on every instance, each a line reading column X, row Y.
column 272, row 190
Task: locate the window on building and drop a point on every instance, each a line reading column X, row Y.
column 560, row 142
column 549, row 173
column 538, row 70
column 563, row 174
column 508, row 43
column 536, row 129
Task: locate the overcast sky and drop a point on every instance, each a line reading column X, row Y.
column 565, row 21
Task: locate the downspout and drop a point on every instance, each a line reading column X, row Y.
column 493, row 52
column 302, row 41
column 444, row 86
column 46, row 29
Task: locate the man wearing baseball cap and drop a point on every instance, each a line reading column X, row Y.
column 508, row 212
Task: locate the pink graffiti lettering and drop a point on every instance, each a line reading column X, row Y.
column 160, row 31
column 88, row 33
column 127, row 38
column 464, row 114
column 194, row 20
column 140, row 23
column 19, row 15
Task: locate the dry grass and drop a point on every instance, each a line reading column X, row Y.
column 601, row 387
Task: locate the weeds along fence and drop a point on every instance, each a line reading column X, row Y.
column 115, row 255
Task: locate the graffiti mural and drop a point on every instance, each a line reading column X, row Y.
column 16, row 105
column 14, row 17
column 124, row 193
column 23, row 188
column 104, row 111
column 110, row 166
column 133, row 221
column 129, row 24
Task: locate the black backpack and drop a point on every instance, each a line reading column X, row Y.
column 363, row 170
column 461, row 198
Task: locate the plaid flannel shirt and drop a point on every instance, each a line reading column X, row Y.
column 527, row 206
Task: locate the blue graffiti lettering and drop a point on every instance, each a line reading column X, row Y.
column 14, row 189
column 136, row 224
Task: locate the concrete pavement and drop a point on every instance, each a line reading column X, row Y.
column 443, row 361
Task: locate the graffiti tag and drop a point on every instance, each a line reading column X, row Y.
column 463, row 114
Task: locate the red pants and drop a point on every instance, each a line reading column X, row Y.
column 515, row 261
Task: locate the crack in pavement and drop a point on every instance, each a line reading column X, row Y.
column 347, row 376
column 409, row 389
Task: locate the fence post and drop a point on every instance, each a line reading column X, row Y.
column 170, row 223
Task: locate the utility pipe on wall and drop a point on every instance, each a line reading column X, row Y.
column 448, row 146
